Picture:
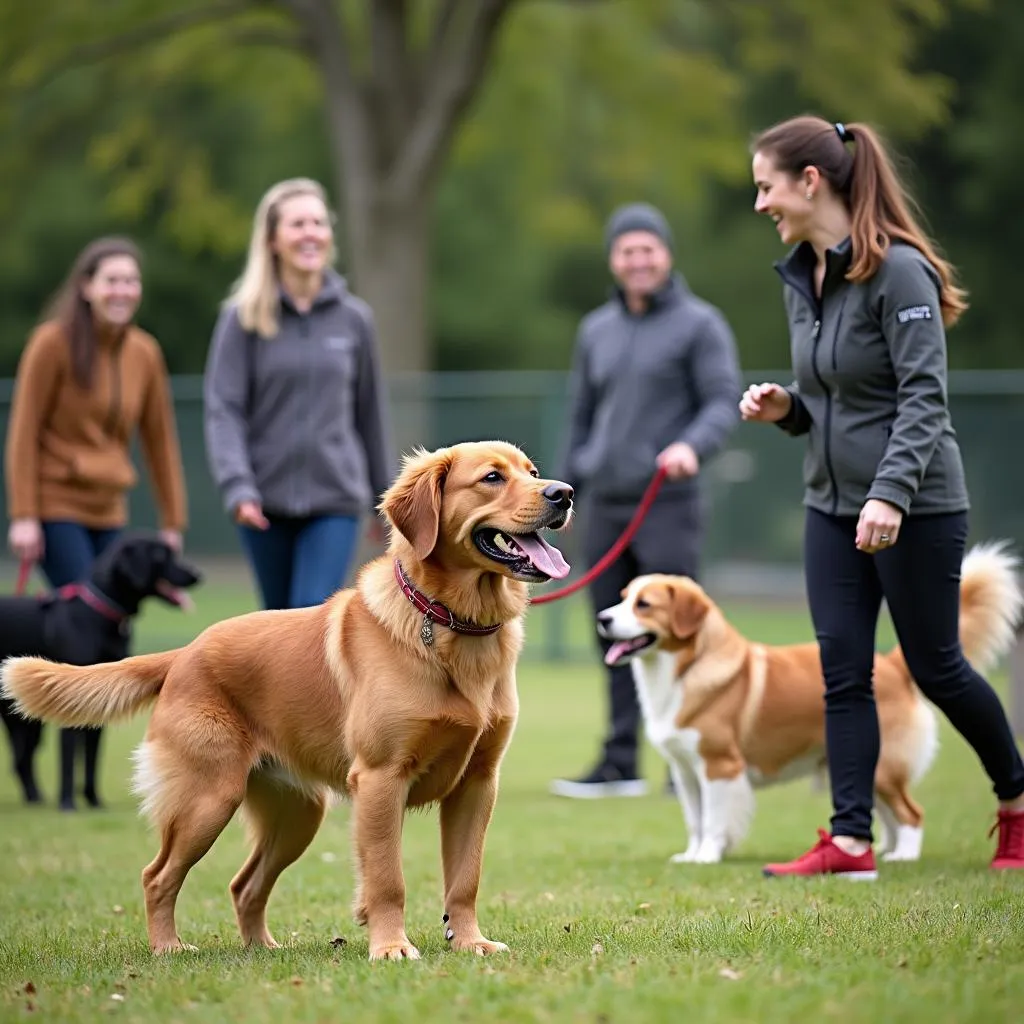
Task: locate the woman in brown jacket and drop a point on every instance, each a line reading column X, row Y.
column 88, row 379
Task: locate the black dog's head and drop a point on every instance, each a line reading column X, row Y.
column 139, row 565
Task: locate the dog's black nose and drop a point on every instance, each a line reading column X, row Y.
column 559, row 494
column 604, row 618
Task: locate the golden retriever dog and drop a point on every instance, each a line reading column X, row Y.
column 397, row 693
column 730, row 715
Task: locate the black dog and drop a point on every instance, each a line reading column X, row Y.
column 84, row 624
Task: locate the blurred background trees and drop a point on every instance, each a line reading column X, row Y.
column 167, row 119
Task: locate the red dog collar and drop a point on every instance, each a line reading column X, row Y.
column 434, row 611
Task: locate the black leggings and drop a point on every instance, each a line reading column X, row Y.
column 919, row 577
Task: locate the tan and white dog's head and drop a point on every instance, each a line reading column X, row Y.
column 657, row 612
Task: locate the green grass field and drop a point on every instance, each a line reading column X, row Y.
column 601, row 926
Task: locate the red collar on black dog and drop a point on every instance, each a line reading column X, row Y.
column 97, row 602
column 434, row 611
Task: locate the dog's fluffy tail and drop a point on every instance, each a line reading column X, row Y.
column 991, row 602
column 92, row 695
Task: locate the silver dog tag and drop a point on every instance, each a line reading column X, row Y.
column 427, row 631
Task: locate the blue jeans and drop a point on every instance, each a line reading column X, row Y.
column 69, row 549
column 300, row 562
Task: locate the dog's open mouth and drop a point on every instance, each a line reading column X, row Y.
column 173, row 595
column 528, row 556
column 623, row 650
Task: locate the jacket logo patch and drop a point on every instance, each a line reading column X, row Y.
column 914, row 313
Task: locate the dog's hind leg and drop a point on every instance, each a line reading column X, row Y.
column 907, row 816
column 888, row 826
column 191, row 804
column 282, row 820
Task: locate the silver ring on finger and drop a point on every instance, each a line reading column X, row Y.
column 884, row 538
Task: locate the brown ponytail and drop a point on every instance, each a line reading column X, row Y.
column 863, row 176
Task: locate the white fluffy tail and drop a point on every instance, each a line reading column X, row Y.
column 926, row 734
column 991, row 602
column 89, row 695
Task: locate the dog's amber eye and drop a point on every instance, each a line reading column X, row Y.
column 642, row 604
column 494, row 477
column 535, row 474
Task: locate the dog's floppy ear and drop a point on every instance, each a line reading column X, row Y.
column 689, row 610
column 413, row 502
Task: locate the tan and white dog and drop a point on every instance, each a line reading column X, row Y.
column 730, row 715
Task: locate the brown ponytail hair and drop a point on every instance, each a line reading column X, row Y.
column 862, row 175
column 72, row 311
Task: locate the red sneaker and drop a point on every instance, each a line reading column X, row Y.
column 1010, row 848
column 826, row 858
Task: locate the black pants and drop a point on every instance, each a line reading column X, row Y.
column 919, row 577
column 668, row 541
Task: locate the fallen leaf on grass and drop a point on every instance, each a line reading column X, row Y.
column 29, row 989
column 297, row 982
column 118, row 997
column 338, row 941
column 729, row 974
column 117, row 909
column 597, row 949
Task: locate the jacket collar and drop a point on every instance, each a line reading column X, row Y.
column 670, row 294
column 797, row 269
column 334, row 289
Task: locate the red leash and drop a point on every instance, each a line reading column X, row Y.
column 24, row 571
column 616, row 549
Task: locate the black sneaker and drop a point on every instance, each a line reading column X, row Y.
column 604, row 780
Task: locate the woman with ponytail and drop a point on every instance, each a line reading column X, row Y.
column 868, row 300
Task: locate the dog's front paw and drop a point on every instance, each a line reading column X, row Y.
column 480, row 946
column 688, row 856
column 175, row 946
column 709, row 853
column 900, row 855
column 401, row 950
column 473, row 941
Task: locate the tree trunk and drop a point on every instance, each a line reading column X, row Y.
column 389, row 250
column 390, row 130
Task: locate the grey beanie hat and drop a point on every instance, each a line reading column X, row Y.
column 637, row 217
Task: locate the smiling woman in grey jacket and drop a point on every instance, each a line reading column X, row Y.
column 296, row 432
column 868, row 300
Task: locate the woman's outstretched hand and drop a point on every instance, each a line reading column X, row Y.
column 765, row 403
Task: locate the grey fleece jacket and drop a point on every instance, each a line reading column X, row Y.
column 639, row 383
column 871, row 385
column 297, row 422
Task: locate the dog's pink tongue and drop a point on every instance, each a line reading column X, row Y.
column 544, row 557
column 616, row 651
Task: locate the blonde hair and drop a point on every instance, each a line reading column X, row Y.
column 865, row 179
column 255, row 293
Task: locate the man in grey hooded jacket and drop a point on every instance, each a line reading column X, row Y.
column 655, row 383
